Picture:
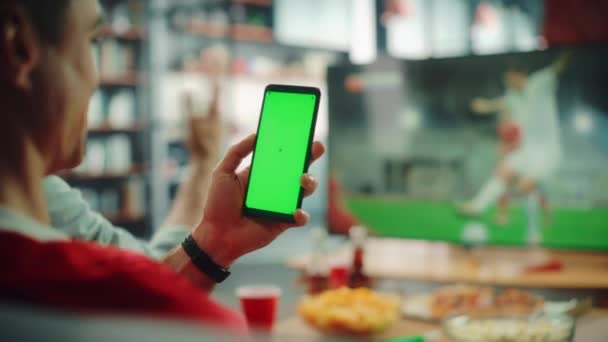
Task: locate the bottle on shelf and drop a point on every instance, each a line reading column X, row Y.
column 317, row 273
column 357, row 277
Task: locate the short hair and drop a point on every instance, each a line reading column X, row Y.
column 48, row 18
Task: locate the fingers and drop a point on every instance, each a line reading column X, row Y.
column 243, row 177
column 309, row 183
column 236, row 154
column 213, row 110
column 188, row 105
column 301, row 217
column 317, row 151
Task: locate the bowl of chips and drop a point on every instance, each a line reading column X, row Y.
column 350, row 311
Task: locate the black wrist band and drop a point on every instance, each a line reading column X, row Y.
column 203, row 261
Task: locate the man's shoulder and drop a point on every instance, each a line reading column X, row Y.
column 77, row 275
column 55, row 184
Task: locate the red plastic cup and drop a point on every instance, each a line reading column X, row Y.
column 259, row 303
column 338, row 276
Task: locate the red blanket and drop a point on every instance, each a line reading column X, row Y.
column 92, row 279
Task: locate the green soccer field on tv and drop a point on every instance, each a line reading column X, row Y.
column 562, row 228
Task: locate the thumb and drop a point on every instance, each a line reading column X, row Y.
column 236, row 154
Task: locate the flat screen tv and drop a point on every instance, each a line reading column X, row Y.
column 507, row 149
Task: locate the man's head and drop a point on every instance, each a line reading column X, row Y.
column 516, row 78
column 47, row 75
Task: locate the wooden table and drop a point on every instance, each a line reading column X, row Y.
column 500, row 266
column 592, row 327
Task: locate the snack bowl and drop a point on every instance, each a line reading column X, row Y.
column 492, row 327
column 345, row 311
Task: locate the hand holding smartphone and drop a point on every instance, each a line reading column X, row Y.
column 282, row 152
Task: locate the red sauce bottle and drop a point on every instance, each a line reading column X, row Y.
column 357, row 277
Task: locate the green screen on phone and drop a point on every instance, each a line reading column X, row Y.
column 281, row 151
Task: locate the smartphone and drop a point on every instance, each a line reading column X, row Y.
column 282, row 152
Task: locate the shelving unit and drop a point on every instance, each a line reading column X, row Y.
column 115, row 177
column 129, row 79
column 131, row 34
column 108, row 128
column 237, row 32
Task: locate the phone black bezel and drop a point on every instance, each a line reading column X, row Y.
column 271, row 215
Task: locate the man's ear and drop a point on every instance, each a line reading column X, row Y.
column 19, row 46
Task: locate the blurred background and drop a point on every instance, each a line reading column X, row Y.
column 407, row 87
column 397, row 76
column 158, row 61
